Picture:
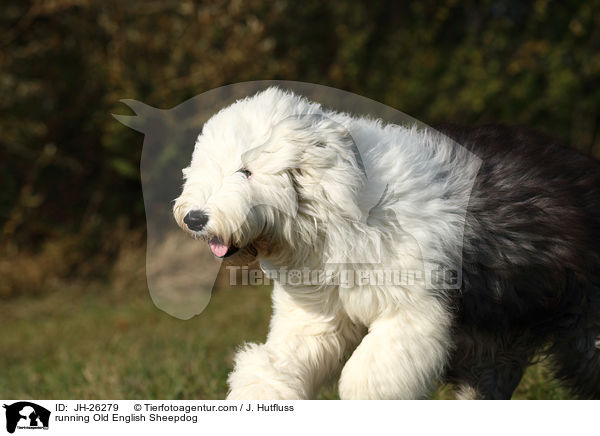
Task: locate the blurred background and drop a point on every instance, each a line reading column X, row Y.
column 75, row 313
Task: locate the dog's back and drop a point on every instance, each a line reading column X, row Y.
column 531, row 262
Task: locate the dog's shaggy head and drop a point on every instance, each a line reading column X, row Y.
column 265, row 172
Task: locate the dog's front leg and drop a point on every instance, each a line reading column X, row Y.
column 401, row 357
column 305, row 347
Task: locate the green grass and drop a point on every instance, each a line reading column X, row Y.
column 103, row 344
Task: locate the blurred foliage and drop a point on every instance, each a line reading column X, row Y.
column 67, row 168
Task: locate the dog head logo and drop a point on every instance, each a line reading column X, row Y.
column 26, row 415
column 271, row 171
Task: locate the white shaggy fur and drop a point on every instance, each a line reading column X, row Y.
column 311, row 203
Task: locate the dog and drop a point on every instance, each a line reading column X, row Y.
column 512, row 216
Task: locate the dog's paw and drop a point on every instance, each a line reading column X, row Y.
column 255, row 377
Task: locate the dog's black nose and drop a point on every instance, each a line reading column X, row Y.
column 195, row 220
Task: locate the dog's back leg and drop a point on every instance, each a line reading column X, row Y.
column 492, row 380
column 487, row 366
column 576, row 355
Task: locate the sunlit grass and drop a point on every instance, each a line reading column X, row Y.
column 95, row 343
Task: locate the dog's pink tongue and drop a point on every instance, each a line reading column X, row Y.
column 217, row 247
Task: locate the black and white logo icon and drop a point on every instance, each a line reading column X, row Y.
column 26, row 415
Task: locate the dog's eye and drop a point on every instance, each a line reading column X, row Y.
column 245, row 172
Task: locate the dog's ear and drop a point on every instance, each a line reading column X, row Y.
column 331, row 168
column 333, row 145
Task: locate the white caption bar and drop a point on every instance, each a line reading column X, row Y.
column 298, row 417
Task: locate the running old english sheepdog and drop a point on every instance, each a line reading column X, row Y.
column 511, row 220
